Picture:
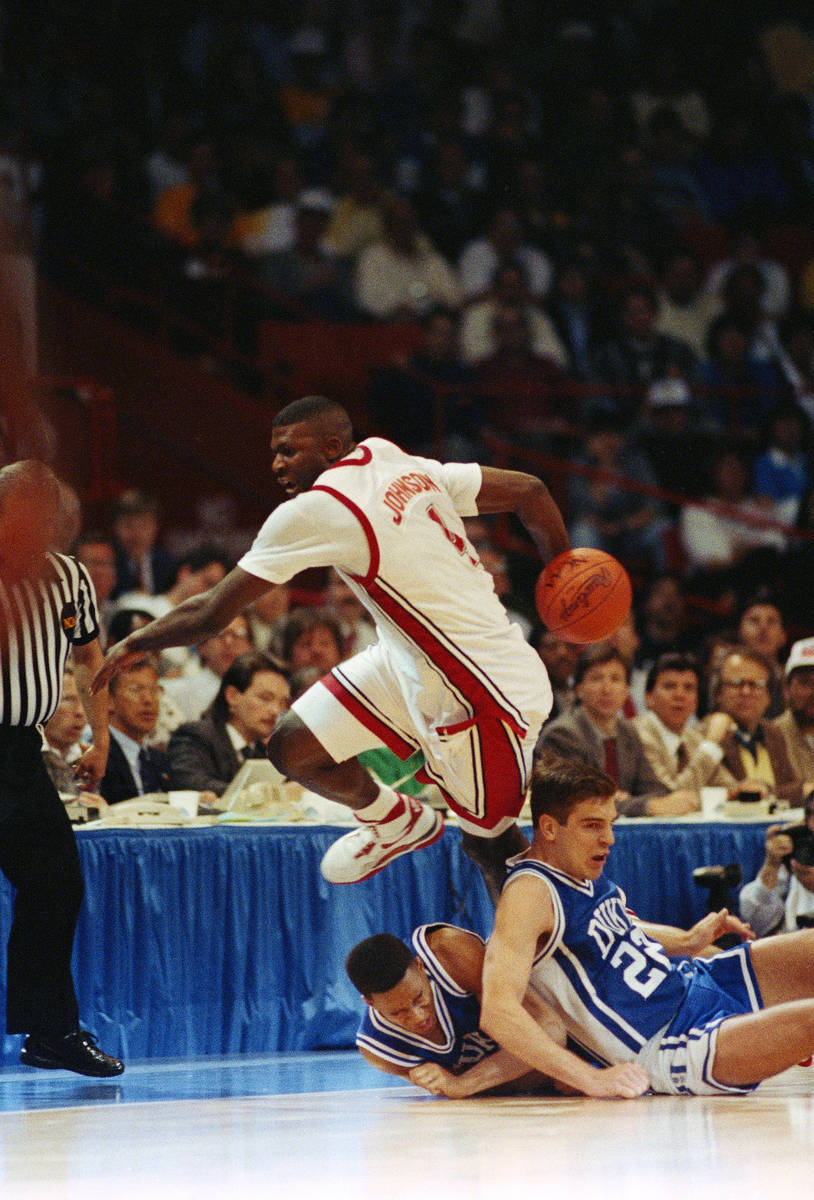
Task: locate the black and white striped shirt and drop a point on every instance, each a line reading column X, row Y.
column 39, row 622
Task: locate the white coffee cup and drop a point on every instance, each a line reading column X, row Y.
column 713, row 800
column 186, row 801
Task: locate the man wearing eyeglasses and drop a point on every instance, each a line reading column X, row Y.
column 134, row 769
column 754, row 751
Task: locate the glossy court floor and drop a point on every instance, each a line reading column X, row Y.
column 326, row 1125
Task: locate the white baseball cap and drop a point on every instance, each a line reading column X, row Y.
column 800, row 655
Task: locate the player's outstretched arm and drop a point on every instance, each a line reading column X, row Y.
column 700, row 939
column 192, row 621
column 525, row 914
column 530, row 499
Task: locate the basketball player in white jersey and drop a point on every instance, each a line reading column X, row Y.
column 624, row 990
column 450, row 675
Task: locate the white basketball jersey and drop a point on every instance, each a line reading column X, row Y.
column 427, row 590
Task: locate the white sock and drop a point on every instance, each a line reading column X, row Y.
column 388, row 807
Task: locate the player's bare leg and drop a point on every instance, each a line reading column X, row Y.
column 390, row 823
column 298, row 754
column 490, row 855
column 758, row 1045
column 784, row 967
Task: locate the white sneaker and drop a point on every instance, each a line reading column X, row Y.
column 367, row 850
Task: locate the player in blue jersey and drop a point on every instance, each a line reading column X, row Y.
column 423, row 1013
column 659, row 1022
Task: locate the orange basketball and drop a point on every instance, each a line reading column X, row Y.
column 583, row 595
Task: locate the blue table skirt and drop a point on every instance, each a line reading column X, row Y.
column 223, row 940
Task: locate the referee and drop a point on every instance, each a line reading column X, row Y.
column 47, row 608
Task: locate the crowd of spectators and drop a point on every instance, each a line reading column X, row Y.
column 597, row 216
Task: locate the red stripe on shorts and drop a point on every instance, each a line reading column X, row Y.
column 370, row 720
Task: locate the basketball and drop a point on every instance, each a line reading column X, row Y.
column 583, row 595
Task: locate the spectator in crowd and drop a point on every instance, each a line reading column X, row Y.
column 170, row 713
column 305, row 271
column 667, row 85
column 197, row 570
column 61, row 747
column 402, row 276
column 142, row 565
column 196, row 688
column 306, row 97
column 781, row 472
column 682, row 754
column 272, row 228
column 97, row 553
column 796, row 722
column 482, row 256
column 748, row 247
column 205, row 755
column 754, row 751
column 726, row 537
column 518, row 385
column 358, row 216
column 782, row 893
column 133, row 768
column 639, row 354
column 311, row 637
column 432, row 398
column 664, row 622
column 606, row 514
column 560, row 659
column 165, row 164
column 595, row 732
column 579, row 314
column 686, row 310
column 448, row 205
column 762, row 627
column 478, row 335
column 674, row 186
column 735, row 170
column 172, row 212
column 667, row 433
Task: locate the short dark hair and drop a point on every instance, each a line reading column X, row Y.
column 597, row 655
column 378, row 963
column 311, row 408
column 762, row 595
column 201, row 556
column 672, row 661
column 299, row 621
column 122, row 623
column 240, row 675
column 558, row 785
column 133, row 503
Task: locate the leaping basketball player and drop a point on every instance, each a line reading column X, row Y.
column 657, row 1021
column 450, row 675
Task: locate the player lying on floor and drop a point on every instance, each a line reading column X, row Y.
column 422, row 1019
column 676, row 1025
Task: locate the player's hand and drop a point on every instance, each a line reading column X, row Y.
column 90, row 767
column 117, row 659
column 437, row 1080
column 624, row 1082
column 715, row 925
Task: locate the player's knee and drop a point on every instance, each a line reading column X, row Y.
column 293, row 749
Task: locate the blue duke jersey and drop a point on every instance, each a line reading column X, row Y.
column 458, row 1013
column 613, row 986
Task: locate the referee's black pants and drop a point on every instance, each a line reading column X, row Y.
column 38, row 855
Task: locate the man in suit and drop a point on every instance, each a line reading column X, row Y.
column 755, row 750
column 141, row 564
column 206, row 755
column 683, row 755
column 797, row 722
column 595, row 732
column 134, row 768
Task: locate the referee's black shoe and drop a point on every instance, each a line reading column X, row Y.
column 76, row 1051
